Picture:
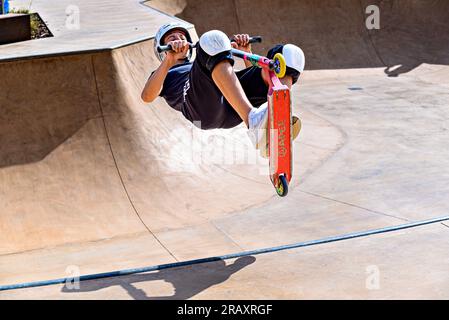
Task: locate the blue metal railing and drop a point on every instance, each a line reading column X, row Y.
column 227, row 257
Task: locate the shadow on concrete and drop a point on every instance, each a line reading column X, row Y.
column 395, row 71
column 186, row 281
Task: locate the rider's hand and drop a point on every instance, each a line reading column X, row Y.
column 241, row 42
column 180, row 50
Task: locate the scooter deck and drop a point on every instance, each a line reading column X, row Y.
column 280, row 136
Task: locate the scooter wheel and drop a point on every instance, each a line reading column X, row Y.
column 281, row 68
column 282, row 188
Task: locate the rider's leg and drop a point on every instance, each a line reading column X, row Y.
column 228, row 83
column 214, row 54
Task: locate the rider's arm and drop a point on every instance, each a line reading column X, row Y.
column 247, row 63
column 154, row 84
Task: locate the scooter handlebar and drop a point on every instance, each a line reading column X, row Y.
column 255, row 39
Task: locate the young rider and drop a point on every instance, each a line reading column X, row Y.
column 207, row 91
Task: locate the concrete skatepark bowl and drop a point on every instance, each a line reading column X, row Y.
column 92, row 180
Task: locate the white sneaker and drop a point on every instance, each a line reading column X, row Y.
column 258, row 120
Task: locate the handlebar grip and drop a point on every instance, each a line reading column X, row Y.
column 255, row 39
column 161, row 49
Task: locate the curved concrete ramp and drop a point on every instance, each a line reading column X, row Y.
column 85, row 164
column 92, row 178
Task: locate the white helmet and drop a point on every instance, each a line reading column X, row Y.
column 161, row 34
column 294, row 57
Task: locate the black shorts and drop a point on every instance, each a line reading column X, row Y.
column 205, row 105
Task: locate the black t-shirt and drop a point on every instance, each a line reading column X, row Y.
column 198, row 98
column 173, row 88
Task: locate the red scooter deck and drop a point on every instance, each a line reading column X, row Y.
column 279, row 135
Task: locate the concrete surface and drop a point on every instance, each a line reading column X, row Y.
column 93, row 178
